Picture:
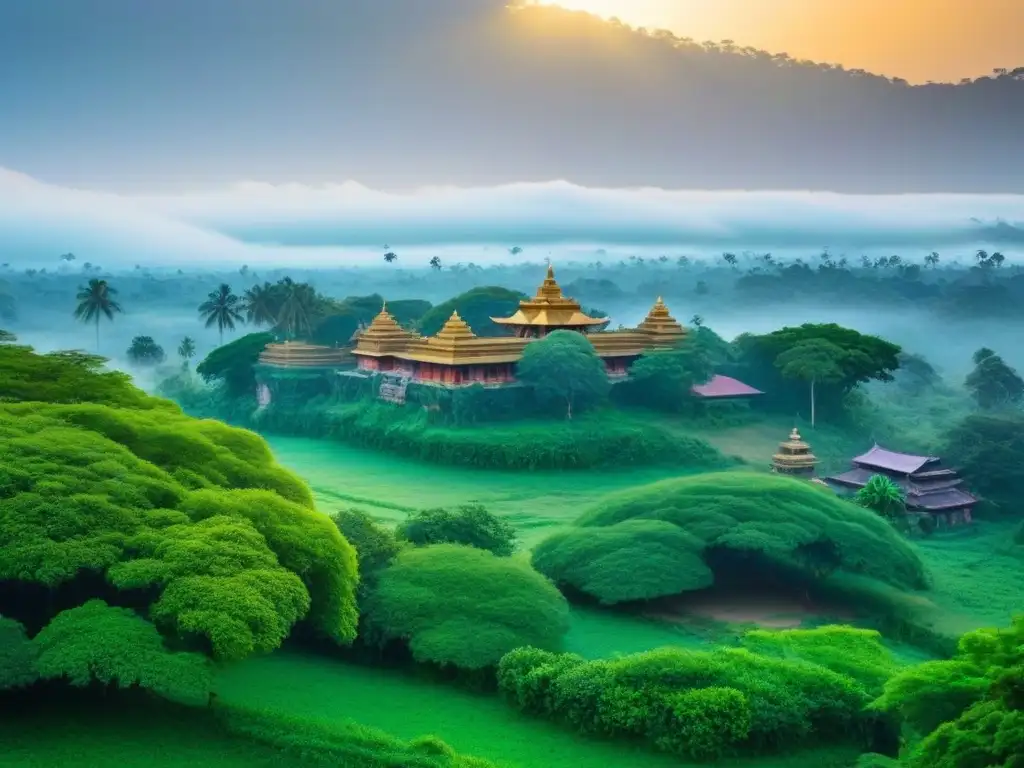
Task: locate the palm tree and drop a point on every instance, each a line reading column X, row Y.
column 883, row 496
column 221, row 309
column 186, row 351
column 96, row 300
column 298, row 308
column 261, row 304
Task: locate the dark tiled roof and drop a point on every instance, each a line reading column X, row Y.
column 725, row 386
column 904, row 463
column 951, row 498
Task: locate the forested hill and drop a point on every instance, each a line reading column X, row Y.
column 406, row 92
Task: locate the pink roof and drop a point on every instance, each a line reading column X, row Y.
column 725, row 386
column 904, row 463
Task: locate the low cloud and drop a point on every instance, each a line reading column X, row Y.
column 347, row 223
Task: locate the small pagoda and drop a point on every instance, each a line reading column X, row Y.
column 794, row 457
column 549, row 311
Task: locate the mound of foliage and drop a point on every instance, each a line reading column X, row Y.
column 600, row 439
column 464, row 607
column 476, row 307
column 231, row 364
column 468, row 524
column 700, row 705
column 964, row 711
column 686, row 534
column 145, row 351
column 190, row 523
column 564, row 372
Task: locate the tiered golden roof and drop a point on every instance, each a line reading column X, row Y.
column 383, row 336
column 295, row 354
column 550, row 309
column 660, row 324
column 794, row 456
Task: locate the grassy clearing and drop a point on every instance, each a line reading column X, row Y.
column 481, row 725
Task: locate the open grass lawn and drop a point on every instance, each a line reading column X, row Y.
column 978, row 574
column 473, row 724
column 102, row 738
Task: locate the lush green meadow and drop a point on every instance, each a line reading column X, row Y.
column 976, row 573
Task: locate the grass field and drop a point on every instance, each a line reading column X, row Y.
column 480, row 725
column 978, row 573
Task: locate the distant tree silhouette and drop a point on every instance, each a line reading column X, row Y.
column 96, row 300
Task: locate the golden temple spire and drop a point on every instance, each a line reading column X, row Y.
column 794, row 456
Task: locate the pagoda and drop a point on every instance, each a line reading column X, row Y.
column 549, row 311
column 929, row 488
column 794, row 457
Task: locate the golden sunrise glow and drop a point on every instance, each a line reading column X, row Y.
column 920, row 40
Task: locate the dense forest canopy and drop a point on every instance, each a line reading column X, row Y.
column 734, row 116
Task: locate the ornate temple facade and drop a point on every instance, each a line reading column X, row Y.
column 929, row 488
column 456, row 356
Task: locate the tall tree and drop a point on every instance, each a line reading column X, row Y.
column 221, row 308
column 261, row 304
column 993, row 383
column 186, row 351
column 96, row 300
column 564, row 367
column 664, row 378
column 435, row 262
column 813, row 361
column 298, row 310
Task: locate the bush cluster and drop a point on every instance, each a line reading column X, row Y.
column 469, row 524
column 464, row 607
column 686, row 534
column 190, row 524
column 598, row 440
column 964, row 711
column 700, row 705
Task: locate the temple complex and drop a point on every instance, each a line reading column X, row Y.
column 457, row 356
column 929, row 488
column 794, row 457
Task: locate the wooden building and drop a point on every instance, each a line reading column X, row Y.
column 929, row 488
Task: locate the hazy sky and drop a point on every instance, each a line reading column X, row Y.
column 920, row 40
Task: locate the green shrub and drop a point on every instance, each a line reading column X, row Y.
column 682, row 534
column 232, row 364
column 597, row 440
column 17, row 656
column 193, row 521
column 857, row 653
column 967, row 709
column 375, row 545
column 465, row 607
column 95, row 643
column 696, row 704
column 468, row 524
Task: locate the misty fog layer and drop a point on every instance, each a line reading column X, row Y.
column 349, row 224
column 402, row 93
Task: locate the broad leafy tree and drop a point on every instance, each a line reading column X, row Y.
column 221, row 309
column 813, row 361
column 145, row 351
column 97, row 300
column 664, row 378
column 988, row 447
column 232, row 363
column 994, row 384
column 563, row 367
